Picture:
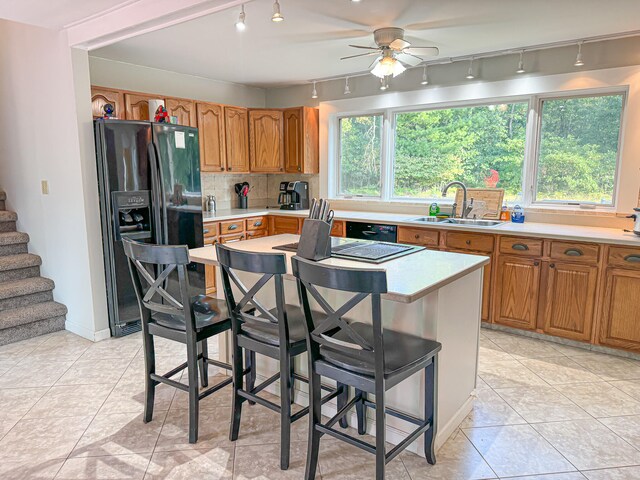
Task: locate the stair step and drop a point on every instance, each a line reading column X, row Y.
column 25, row 286
column 7, row 216
column 32, row 313
column 22, row 260
column 12, row 238
column 30, row 330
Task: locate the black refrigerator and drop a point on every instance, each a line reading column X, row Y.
column 150, row 191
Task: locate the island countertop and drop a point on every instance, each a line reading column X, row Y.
column 408, row 278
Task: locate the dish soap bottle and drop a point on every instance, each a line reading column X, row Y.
column 504, row 213
column 434, row 209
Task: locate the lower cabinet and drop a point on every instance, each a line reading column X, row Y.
column 284, row 224
column 570, row 299
column 620, row 321
column 517, row 291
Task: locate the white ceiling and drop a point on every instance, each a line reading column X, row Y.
column 55, row 14
column 316, row 33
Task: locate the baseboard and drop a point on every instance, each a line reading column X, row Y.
column 87, row 333
column 102, row 335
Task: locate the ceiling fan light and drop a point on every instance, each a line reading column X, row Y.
column 398, row 68
column 385, row 67
column 277, row 16
column 240, row 25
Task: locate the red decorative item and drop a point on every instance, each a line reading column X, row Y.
column 161, row 115
column 492, row 180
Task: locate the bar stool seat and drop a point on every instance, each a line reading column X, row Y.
column 268, row 333
column 405, row 354
column 209, row 313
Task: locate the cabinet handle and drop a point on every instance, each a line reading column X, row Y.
column 205, row 231
column 258, row 223
column 468, row 242
column 632, row 258
column 535, row 264
column 229, row 168
column 417, row 236
column 222, row 169
column 281, row 169
column 233, row 226
column 573, row 252
column 520, row 246
column 552, row 265
column 299, row 168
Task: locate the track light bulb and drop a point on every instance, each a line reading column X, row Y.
column 314, row 92
column 425, row 79
column 383, row 84
column 579, row 61
column 347, row 90
column 240, row 25
column 277, row 16
column 470, row 75
column 521, row 64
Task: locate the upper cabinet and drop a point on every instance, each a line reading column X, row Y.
column 211, row 129
column 236, row 128
column 301, row 140
column 182, row 108
column 101, row 96
column 137, row 106
column 266, row 143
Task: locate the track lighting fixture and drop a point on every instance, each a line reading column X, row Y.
column 314, row 92
column 425, row 79
column 277, row 16
column 240, row 25
column 521, row 63
column 384, row 84
column 579, row 61
column 470, row 75
column 347, row 90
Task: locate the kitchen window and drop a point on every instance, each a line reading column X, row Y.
column 360, row 159
column 578, row 148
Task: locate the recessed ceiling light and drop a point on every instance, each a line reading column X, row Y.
column 579, row 61
column 240, row 25
column 277, row 16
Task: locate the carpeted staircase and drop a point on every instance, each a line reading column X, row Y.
column 27, row 308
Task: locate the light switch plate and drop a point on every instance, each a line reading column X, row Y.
column 45, row 187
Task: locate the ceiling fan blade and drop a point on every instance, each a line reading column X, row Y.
column 366, row 48
column 422, row 51
column 399, row 44
column 359, row 55
column 374, row 62
column 409, row 59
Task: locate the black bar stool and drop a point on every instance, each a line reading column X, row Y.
column 278, row 333
column 190, row 321
column 365, row 356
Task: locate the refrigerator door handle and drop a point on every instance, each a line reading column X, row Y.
column 156, row 190
column 163, row 198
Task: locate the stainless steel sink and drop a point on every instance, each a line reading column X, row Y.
column 429, row 219
column 473, row 222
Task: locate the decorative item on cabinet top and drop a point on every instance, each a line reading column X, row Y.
column 232, row 139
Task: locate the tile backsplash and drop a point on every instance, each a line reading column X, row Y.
column 264, row 187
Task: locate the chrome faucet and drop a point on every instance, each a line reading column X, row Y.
column 465, row 211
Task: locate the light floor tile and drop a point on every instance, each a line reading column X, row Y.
column 624, row 473
column 130, row 467
column 559, row 370
column 221, row 398
column 541, row 404
column 70, row 400
column 213, row 464
column 31, row 469
column 129, row 396
column 630, row 387
column 18, row 401
column 552, row 476
column 517, row 450
column 457, row 458
column 263, row 462
column 491, row 410
column 588, row 444
column 213, row 430
column 508, row 374
column 524, row 347
column 601, row 399
column 34, row 373
column 124, row 347
column 99, row 371
column 609, row 367
column 7, row 422
column 61, row 348
column 627, row 428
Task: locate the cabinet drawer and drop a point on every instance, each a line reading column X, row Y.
column 529, row 247
column 210, row 230
column 231, row 226
column 231, row 238
column 470, row 241
column 418, row 236
column 256, row 223
column 283, row 224
column 337, row 230
column 209, row 241
column 625, row 257
column 575, row 252
column 256, row 234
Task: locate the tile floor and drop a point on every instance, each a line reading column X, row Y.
column 70, row 409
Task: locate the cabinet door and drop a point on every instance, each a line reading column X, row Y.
column 570, row 300
column 266, row 141
column 210, row 279
column 486, row 285
column 211, row 132
column 517, row 292
column 310, row 140
column 184, row 109
column 280, row 225
column 137, row 106
column 236, row 128
column 293, row 153
column 620, row 325
column 101, row 96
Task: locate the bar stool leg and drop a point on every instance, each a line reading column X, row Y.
column 149, row 384
column 250, row 364
column 285, row 409
column 204, row 365
column 192, row 371
column 342, row 400
column 361, row 411
column 315, row 417
column 380, row 430
column 430, row 405
column 292, row 379
column 236, row 400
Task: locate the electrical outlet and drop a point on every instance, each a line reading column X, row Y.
column 45, row 187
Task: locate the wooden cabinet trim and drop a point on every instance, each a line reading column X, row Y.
column 184, row 109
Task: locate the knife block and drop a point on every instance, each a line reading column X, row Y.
column 315, row 240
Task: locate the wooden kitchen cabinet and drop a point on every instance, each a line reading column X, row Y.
column 418, row 236
column 210, row 123
column 266, row 145
column 183, row 109
column 137, row 106
column 517, row 290
column 284, row 224
column 570, row 299
column 620, row 322
column 101, row 96
column 301, row 143
column 236, row 130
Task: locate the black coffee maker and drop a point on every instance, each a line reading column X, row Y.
column 294, row 196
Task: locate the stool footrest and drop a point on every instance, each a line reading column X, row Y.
column 411, row 438
column 395, row 413
column 168, row 381
column 356, row 442
column 215, row 388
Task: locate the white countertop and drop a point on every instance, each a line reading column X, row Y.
column 547, row 230
column 408, row 278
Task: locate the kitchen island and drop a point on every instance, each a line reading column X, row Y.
column 436, row 295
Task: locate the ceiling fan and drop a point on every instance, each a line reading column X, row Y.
column 393, row 53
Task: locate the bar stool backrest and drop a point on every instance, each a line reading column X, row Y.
column 363, row 283
column 147, row 259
